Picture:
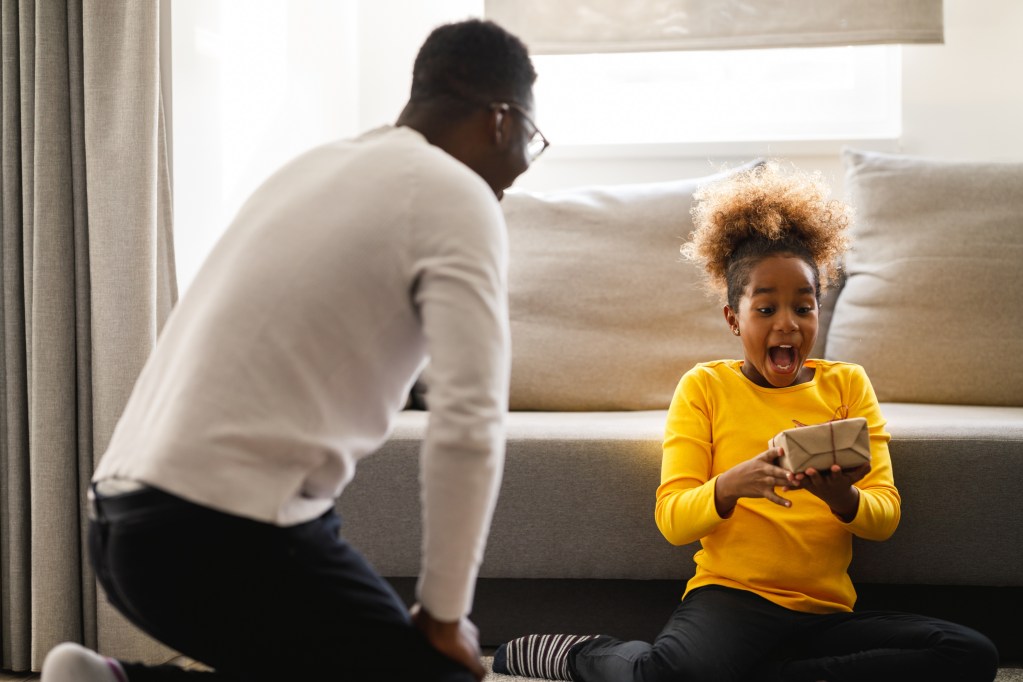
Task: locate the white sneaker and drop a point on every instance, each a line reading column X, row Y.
column 70, row 662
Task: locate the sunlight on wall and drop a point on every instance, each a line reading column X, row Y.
column 254, row 84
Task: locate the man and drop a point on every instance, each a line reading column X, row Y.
column 286, row 362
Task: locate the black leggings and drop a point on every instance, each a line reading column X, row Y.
column 718, row 634
column 253, row 600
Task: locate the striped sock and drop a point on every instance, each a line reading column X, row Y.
column 543, row 656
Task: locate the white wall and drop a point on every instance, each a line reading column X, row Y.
column 250, row 90
column 390, row 33
column 964, row 99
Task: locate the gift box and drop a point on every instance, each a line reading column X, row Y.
column 845, row 442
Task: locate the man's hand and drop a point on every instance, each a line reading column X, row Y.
column 459, row 640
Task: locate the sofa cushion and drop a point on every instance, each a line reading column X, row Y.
column 605, row 315
column 578, row 495
column 577, row 499
column 931, row 306
column 939, row 453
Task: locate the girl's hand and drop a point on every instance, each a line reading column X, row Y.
column 757, row 477
column 835, row 487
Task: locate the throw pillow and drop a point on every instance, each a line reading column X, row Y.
column 932, row 304
column 605, row 314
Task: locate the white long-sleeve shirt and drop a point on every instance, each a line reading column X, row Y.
column 298, row 341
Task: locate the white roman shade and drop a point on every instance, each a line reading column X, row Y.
column 583, row 26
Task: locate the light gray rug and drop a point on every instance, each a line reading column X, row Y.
column 488, row 662
column 1004, row 674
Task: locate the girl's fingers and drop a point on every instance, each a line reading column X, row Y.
column 775, row 478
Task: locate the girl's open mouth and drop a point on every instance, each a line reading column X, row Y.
column 783, row 358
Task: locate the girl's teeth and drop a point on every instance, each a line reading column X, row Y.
column 783, row 357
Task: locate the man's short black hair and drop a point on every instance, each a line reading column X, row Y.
column 474, row 61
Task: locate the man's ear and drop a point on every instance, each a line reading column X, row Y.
column 499, row 118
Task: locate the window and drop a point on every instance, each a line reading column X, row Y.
column 835, row 93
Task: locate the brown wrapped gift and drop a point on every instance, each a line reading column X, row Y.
column 845, row 442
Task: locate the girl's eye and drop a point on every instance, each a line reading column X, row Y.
column 804, row 310
column 765, row 311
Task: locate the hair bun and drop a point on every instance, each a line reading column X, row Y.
column 767, row 201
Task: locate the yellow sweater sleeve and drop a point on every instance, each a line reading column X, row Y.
column 880, row 507
column 685, row 510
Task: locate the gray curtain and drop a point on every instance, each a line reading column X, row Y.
column 88, row 278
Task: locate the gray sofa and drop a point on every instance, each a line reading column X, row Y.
column 606, row 318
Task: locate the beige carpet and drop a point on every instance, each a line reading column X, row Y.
column 495, row 677
column 1004, row 674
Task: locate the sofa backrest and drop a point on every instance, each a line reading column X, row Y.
column 932, row 305
column 605, row 315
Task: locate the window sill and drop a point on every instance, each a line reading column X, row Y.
column 723, row 150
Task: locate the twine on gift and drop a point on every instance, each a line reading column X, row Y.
column 834, row 452
column 841, row 412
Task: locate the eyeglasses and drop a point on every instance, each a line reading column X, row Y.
column 537, row 143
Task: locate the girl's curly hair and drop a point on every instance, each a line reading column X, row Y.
column 761, row 212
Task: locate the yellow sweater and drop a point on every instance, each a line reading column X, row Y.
column 796, row 557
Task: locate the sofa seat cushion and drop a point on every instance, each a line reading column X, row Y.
column 577, row 499
column 959, row 469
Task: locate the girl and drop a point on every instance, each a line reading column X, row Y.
column 771, row 598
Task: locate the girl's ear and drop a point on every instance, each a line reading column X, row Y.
column 732, row 320
column 730, row 317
